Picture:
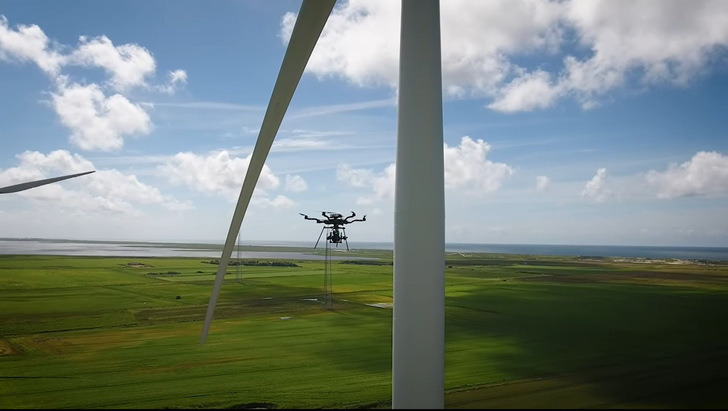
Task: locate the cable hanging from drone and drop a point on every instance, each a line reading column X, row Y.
column 335, row 224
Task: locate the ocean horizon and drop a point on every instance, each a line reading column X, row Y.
column 212, row 249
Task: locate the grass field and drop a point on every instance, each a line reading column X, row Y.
column 521, row 332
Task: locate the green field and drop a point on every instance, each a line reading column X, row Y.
column 521, row 332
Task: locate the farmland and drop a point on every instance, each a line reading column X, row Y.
column 521, row 332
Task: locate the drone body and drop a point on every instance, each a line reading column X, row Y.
column 335, row 223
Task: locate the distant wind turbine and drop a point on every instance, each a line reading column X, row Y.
column 32, row 184
column 418, row 329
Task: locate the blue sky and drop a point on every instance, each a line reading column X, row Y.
column 600, row 122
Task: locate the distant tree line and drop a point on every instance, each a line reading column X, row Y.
column 257, row 263
column 366, row 262
column 167, row 274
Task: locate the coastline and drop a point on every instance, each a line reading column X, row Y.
column 304, row 250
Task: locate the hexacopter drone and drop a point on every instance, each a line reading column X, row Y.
column 335, row 223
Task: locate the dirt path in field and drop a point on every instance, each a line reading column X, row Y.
column 6, row 348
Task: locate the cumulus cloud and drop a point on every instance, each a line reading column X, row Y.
column 221, row 174
column 542, row 183
column 175, row 79
column 669, row 41
column 383, row 184
column 706, row 174
column 466, row 168
column 528, row 92
column 360, row 42
column 98, row 122
column 98, row 119
column 355, row 177
column 295, row 184
column 178, row 77
column 278, row 202
column 598, row 188
column 127, row 64
column 602, row 45
column 34, row 165
column 29, row 44
column 106, row 191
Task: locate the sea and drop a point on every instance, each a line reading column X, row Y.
column 35, row 246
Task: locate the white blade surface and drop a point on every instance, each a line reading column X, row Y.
column 310, row 22
column 31, row 184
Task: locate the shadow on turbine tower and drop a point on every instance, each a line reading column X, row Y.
column 334, row 225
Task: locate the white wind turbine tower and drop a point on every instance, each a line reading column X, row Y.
column 418, row 329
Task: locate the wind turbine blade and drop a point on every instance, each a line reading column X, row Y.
column 32, row 184
column 309, row 24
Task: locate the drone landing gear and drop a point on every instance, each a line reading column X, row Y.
column 333, row 236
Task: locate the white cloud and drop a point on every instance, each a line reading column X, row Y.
column 127, row 64
column 383, row 184
column 342, row 108
column 299, row 144
column 29, row 43
column 175, row 79
column 355, row 177
column 598, row 188
column 667, row 41
column 645, row 42
column 542, row 183
column 528, row 92
column 364, row 201
column 361, row 41
column 312, row 140
column 466, row 166
column 217, row 173
column 178, row 77
column 295, row 183
column 279, row 202
column 706, row 174
column 98, row 122
column 106, row 191
column 36, row 166
column 478, row 37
